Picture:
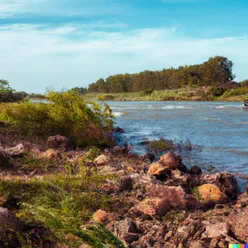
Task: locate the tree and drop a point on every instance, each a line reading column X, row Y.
column 4, row 86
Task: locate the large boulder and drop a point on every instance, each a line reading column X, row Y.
column 174, row 197
column 225, row 181
column 210, row 193
column 59, row 142
column 238, row 219
column 153, row 207
column 216, row 230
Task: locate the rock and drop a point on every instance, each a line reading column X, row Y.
column 119, row 130
column 154, row 207
column 172, row 161
column 158, row 170
column 225, row 181
column 52, row 154
column 131, row 237
column 216, row 230
column 127, row 231
column 100, row 216
column 195, row 170
column 101, row 160
column 229, row 184
column 174, row 197
column 126, row 183
column 238, row 221
column 16, row 151
column 210, row 192
column 120, row 149
column 59, row 142
column 148, row 156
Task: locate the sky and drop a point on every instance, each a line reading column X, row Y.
column 61, row 44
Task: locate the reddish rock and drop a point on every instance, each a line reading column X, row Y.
column 100, row 216
column 154, row 207
column 173, row 162
column 158, row 170
column 238, row 221
column 174, row 197
column 216, row 230
column 59, row 142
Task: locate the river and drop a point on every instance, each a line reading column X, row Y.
column 217, row 130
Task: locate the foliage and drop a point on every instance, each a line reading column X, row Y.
column 216, row 91
column 106, row 97
column 163, row 145
column 244, row 83
column 217, row 71
column 66, row 114
column 235, row 92
column 80, row 90
column 9, row 95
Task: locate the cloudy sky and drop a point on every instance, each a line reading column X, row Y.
column 61, row 44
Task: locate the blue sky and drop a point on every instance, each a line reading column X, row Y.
column 61, row 44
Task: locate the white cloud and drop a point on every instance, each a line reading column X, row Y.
column 36, row 57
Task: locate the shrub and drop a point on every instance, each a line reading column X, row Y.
column 163, row 145
column 244, row 83
column 236, row 92
column 66, row 114
column 216, row 91
column 105, row 97
column 146, row 92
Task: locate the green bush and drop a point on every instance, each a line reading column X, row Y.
column 216, row 91
column 105, row 97
column 66, row 114
column 236, row 92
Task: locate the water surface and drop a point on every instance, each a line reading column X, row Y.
column 218, row 130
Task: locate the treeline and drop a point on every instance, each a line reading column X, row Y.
column 217, row 71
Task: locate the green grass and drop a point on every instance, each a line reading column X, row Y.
column 62, row 204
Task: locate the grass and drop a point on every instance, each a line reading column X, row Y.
column 181, row 94
column 62, row 204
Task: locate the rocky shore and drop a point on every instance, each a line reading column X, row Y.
column 163, row 203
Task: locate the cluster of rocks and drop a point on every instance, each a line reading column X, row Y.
column 165, row 204
column 171, row 205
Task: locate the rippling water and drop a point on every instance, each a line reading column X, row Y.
column 219, row 130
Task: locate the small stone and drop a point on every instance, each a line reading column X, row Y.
column 195, row 170
column 100, row 216
column 101, row 160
